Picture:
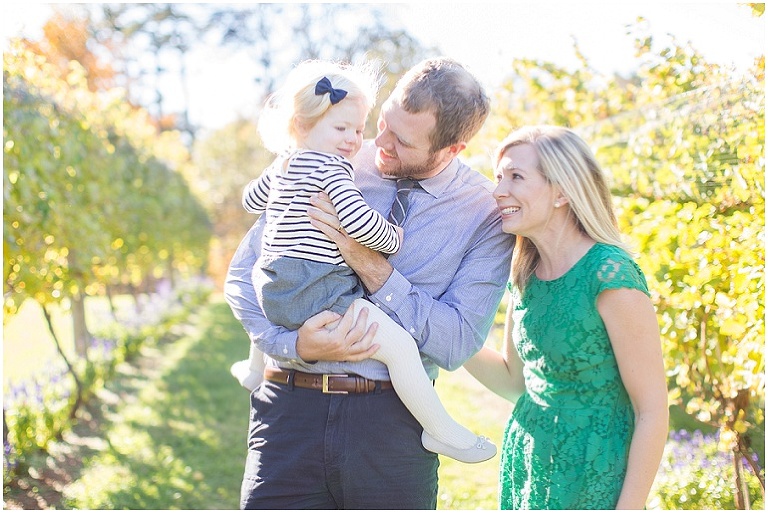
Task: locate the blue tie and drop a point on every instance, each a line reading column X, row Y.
column 400, row 206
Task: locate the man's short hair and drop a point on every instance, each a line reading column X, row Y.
column 448, row 90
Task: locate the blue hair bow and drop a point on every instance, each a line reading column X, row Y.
column 324, row 86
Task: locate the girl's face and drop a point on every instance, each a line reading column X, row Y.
column 524, row 196
column 339, row 131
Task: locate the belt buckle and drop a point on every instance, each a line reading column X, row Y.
column 325, row 383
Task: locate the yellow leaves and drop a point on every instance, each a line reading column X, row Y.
column 674, row 396
column 682, row 376
column 727, row 442
column 723, row 301
column 732, row 327
column 696, row 406
column 705, row 266
column 740, row 426
column 708, row 295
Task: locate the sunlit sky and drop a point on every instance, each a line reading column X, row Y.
column 487, row 36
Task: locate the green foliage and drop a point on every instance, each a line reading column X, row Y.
column 92, row 194
column 694, row 205
column 37, row 413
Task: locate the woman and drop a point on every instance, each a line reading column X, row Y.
column 582, row 354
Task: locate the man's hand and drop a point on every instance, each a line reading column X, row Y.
column 371, row 266
column 327, row 337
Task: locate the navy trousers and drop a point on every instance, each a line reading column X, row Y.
column 309, row 450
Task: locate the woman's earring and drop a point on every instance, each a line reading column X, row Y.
column 557, row 204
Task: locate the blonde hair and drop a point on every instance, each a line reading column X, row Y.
column 296, row 100
column 566, row 162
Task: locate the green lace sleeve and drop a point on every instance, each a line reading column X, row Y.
column 617, row 270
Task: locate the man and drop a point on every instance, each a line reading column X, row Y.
column 308, row 449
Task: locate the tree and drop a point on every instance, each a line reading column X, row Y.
column 276, row 36
column 164, row 32
column 66, row 39
column 89, row 198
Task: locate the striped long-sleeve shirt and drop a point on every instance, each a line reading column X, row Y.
column 283, row 191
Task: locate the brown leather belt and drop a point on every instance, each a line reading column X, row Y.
column 327, row 383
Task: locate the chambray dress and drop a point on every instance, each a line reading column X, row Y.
column 567, row 441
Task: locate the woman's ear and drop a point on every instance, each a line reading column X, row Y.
column 560, row 200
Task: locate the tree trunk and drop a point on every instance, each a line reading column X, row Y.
column 135, row 294
column 78, row 384
column 170, row 270
column 746, row 449
column 111, row 301
column 81, row 335
column 742, row 491
column 80, row 330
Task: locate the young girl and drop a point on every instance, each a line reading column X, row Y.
column 315, row 125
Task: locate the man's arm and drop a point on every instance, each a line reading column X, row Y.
column 371, row 266
column 450, row 329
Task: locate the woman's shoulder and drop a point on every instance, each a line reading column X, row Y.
column 602, row 251
column 614, row 267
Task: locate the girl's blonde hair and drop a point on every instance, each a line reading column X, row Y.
column 296, row 100
column 566, row 162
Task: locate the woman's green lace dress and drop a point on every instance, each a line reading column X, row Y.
column 567, row 440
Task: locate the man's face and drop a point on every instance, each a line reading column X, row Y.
column 402, row 145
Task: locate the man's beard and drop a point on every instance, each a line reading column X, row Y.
column 421, row 170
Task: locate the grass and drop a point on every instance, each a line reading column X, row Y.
column 177, row 441
column 463, row 486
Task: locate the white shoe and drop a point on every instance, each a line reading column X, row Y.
column 482, row 450
column 248, row 379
